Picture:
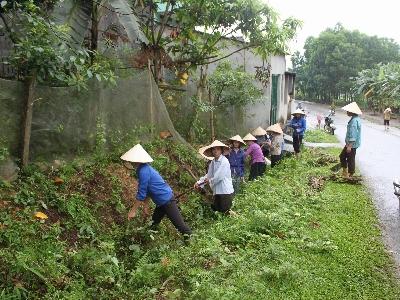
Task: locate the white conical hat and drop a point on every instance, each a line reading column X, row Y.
column 249, row 137
column 388, row 109
column 259, row 131
column 137, row 154
column 353, row 108
column 237, row 138
column 298, row 111
column 208, row 150
column 201, row 151
column 275, row 128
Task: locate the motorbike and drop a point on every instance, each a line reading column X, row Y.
column 329, row 126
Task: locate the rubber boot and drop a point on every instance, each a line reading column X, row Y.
column 345, row 174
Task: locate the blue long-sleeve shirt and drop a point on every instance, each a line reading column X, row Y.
column 152, row 185
column 299, row 125
column 236, row 160
column 353, row 134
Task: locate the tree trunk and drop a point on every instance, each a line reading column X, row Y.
column 94, row 31
column 199, row 95
column 30, row 84
column 212, row 118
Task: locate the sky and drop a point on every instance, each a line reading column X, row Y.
column 381, row 18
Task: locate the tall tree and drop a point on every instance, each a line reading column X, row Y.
column 334, row 57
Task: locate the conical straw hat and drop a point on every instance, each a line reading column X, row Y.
column 353, row 108
column 249, row 137
column 388, row 109
column 137, row 154
column 237, row 138
column 259, row 131
column 201, row 151
column 298, row 111
column 208, row 150
column 275, row 128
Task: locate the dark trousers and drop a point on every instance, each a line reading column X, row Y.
column 256, row 169
column 173, row 214
column 297, row 141
column 348, row 160
column 222, row 202
column 265, row 151
column 274, row 160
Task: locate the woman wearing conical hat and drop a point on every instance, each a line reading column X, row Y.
column 352, row 140
column 387, row 113
column 262, row 138
column 257, row 167
column 298, row 123
column 236, row 160
column 218, row 177
column 152, row 185
column 276, row 142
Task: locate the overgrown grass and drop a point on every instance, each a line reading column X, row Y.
column 319, row 136
column 288, row 241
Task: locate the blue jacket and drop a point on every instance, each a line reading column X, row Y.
column 353, row 134
column 236, row 160
column 299, row 125
column 152, row 185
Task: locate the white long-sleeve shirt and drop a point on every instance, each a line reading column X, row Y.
column 219, row 176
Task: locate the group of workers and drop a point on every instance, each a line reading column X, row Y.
column 226, row 167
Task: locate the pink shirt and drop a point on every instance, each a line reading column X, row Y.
column 255, row 152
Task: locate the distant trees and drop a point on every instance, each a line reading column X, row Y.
column 332, row 59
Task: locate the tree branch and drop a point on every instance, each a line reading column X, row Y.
column 166, row 17
column 225, row 56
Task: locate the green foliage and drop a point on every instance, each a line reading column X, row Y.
column 319, row 136
column 381, row 85
column 232, row 87
column 44, row 50
column 256, row 21
column 330, row 61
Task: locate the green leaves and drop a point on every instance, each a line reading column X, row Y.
column 47, row 49
column 232, row 87
column 202, row 27
column 380, row 85
column 332, row 59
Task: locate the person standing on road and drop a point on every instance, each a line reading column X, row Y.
column 152, row 185
column 319, row 120
column 298, row 123
column 387, row 113
column 352, row 140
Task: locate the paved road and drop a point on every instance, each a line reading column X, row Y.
column 378, row 159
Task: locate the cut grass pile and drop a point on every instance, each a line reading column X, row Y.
column 288, row 240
